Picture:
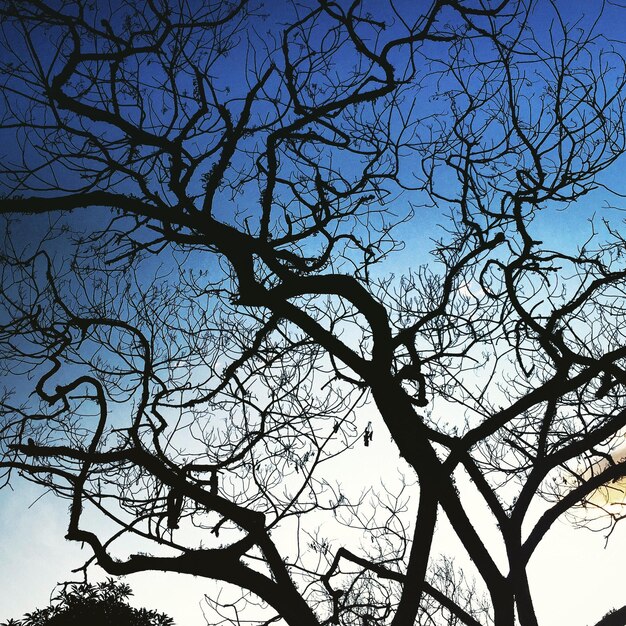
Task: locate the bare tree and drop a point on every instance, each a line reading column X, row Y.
column 206, row 326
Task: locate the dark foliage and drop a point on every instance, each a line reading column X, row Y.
column 100, row 604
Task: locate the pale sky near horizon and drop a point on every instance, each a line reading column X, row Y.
column 575, row 579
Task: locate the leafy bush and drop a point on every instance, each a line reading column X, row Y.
column 100, row 604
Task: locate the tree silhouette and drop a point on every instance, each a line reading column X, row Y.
column 211, row 317
column 100, row 604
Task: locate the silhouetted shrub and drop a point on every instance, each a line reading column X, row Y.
column 100, row 604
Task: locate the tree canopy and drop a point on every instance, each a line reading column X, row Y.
column 100, row 604
column 203, row 323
